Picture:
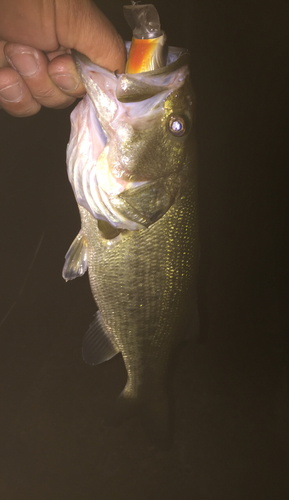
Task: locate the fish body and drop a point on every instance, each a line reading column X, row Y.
column 132, row 166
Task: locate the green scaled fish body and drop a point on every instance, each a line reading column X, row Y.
column 132, row 166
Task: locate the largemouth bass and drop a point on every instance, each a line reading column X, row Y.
column 132, row 165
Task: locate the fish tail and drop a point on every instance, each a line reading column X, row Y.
column 152, row 408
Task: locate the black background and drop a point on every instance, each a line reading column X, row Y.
column 230, row 388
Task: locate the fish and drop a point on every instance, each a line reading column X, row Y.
column 132, row 164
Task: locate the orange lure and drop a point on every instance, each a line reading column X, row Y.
column 145, row 54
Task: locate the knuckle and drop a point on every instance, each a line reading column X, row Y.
column 47, row 93
column 8, row 76
column 50, row 98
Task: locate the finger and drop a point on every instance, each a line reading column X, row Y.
column 32, row 65
column 63, row 73
column 15, row 96
column 85, row 28
column 60, row 52
column 76, row 24
column 3, row 60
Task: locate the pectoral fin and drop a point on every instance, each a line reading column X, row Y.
column 75, row 259
column 96, row 345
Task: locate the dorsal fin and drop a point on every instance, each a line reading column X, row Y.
column 75, row 259
column 96, row 345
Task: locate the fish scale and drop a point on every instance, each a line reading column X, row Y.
column 132, row 165
column 143, row 284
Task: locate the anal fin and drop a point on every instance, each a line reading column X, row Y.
column 96, row 345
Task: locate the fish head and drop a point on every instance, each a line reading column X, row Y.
column 146, row 122
column 147, row 118
column 150, row 136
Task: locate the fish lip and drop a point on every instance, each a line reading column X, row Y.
column 176, row 58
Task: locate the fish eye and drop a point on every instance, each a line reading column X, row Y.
column 177, row 126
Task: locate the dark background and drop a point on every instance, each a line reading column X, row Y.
column 231, row 386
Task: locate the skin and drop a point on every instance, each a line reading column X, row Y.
column 36, row 68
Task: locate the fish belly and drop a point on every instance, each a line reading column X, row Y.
column 144, row 285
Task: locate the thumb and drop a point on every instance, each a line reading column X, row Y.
column 80, row 25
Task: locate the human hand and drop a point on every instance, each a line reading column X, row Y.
column 36, row 68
